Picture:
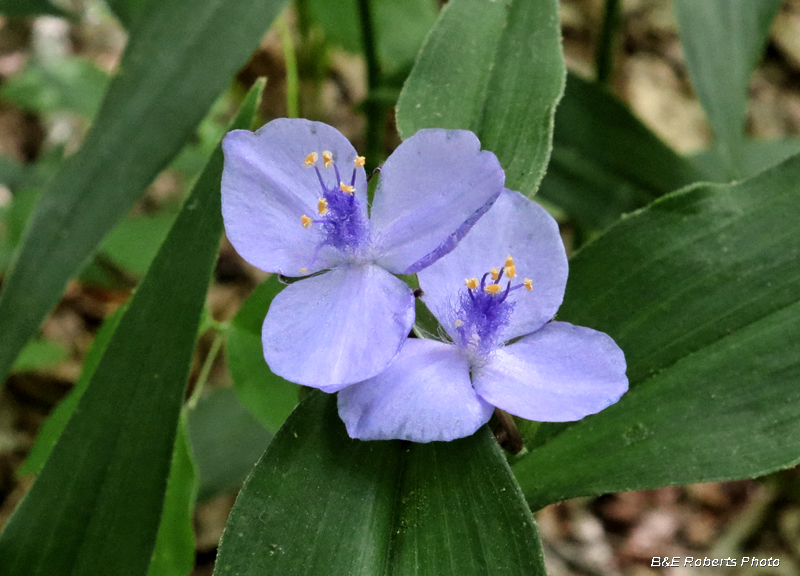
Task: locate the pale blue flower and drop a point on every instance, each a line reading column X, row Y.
column 494, row 295
column 294, row 201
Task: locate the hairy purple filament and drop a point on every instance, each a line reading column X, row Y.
column 481, row 315
column 344, row 225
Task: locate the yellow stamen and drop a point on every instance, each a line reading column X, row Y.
column 360, row 161
column 303, row 270
column 305, row 221
column 348, row 189
column 311, row 159
column 322, row 206
column 327, row 158
column 509, row 261
column 495, row 273
column 493, row 288
column 528, row 283
column 458, row 323
column 471, row 283
column 511, row 271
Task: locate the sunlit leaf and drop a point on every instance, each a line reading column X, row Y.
column 495, row 68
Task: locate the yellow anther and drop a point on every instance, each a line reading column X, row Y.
column 509, row 261
column 471, row 283
column 327, row 158
column 311, row 159
column 347, row 189
column 360, row 161
column 495, row 272
column 322, row 206
column 511, row 271
column 305, row 221
column 458, row 323
column 528, row 283
column 493, row 288
column 303, row 270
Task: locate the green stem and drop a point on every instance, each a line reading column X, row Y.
column 205, row 371
column 373, row 110
column 606, row 44
column 290, row 58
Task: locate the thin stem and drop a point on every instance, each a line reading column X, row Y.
column 507, row 434
column 290, row 58
column 606, row 44
column 373, row 109
column 205, row 370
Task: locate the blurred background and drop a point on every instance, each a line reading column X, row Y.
column 53, row 72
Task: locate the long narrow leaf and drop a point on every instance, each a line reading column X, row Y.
column 95, row 508
column 179, row 58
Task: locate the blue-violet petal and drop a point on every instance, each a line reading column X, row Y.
column 430, row 186
column 514, row 226
column 267, row 188
column 340, row 327
column 557, row 374
column 424, row 395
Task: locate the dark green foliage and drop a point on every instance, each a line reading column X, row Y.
column 321, row 503
column 702, row 292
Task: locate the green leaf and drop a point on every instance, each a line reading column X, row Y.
column 51, row 430
column 321, row 503
column 701, row 291
column 723, row 40
column 339, row 22
column 21, row 8
column 70, row 84
column 134, row 242
column 12, row 173
column 130, row 12
column 268, row 397
column 226, row 440
column 96, row 505
column 605, row 162
column 38, row 355
column 174, row 551
column 495, row 68
column 178, row 60
column 757, row 156
column 400, row 28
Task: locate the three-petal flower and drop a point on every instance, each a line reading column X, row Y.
column 294, row 202
column 495, row 295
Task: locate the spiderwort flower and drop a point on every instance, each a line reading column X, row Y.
column 294, row 202
column 505, row 280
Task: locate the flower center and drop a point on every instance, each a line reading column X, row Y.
column 340, row 218
column 483, row 309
